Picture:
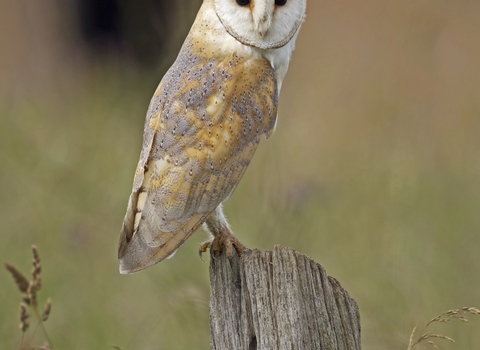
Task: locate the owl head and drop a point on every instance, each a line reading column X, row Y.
column 265, row 24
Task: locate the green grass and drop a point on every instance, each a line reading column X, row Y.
column 373, row 171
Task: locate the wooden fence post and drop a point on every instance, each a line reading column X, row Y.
column 279, row 300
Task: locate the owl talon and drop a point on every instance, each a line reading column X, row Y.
column 203, row 248
column 224, row 240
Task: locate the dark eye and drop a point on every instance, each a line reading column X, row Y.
column 243, row 2
column 280, row 2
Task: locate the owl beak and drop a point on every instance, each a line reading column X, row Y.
column 262, row 16
column 263, row 26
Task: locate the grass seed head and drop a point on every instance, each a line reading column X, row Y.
column 36, row 256
column 37, row 268
column 445, row 317
column 20, row 280
column 471, row 310
column 46, row 310
column 24, row 317
column 32, row 294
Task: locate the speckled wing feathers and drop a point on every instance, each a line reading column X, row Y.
column 202, row 127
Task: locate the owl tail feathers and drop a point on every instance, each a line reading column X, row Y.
column 135, row 253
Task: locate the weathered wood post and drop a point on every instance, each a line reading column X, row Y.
column 280, row 299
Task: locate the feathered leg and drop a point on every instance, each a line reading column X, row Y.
column 222, row 236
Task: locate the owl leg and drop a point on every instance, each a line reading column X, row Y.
column 222, row 236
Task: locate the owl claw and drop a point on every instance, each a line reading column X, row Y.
column 203, row 248
column 224, row 240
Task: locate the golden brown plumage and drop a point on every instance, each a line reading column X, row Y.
column 202, row 128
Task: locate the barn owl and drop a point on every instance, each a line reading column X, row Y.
column 203, row 126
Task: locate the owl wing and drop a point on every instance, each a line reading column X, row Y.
column 202, row 128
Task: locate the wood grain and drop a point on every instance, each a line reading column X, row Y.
column 279, row 299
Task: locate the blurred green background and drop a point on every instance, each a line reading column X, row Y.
column 373, row 171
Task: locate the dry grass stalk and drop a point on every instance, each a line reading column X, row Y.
column 20, row 280
column 37, row 269
column 32, row 294
column 24, row 316
column 46, row 310
column 456, row 314
column 29, row 289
